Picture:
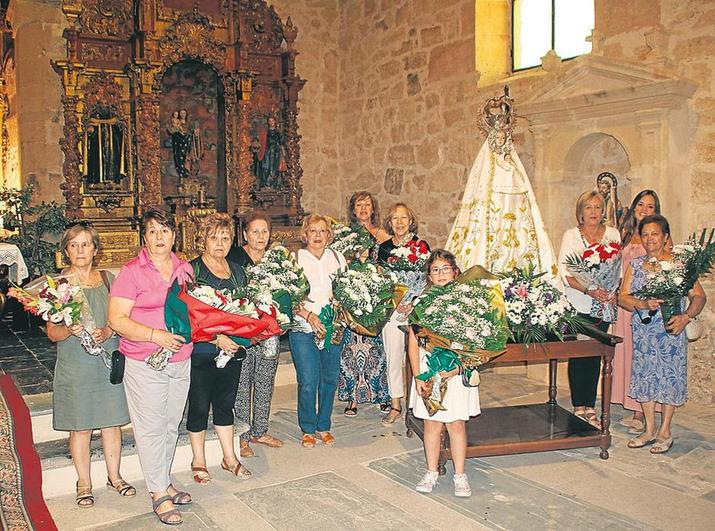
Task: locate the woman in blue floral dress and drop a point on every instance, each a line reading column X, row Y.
column 659, row 372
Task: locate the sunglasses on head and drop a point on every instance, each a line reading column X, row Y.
column 82, row 223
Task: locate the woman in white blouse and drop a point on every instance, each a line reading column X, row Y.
column 317, row 369
column 584, row 372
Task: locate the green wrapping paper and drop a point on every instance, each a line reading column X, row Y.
column 327, row 317
column 439, row 360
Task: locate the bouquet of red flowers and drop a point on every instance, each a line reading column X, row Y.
column 411, row 256
column 598, row 266
column 408, row 263
column 199, row 313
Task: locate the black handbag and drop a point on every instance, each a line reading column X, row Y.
column 116, row 371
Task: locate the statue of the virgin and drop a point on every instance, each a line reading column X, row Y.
column 499, row 225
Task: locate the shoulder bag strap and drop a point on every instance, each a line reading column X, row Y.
column 105, row 278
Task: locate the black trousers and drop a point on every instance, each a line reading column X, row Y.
column 211, row 388
column 584, row 372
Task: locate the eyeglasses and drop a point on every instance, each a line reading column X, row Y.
column 444, row 270
column 648, row 318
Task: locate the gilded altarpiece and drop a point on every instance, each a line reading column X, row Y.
column 182, row 104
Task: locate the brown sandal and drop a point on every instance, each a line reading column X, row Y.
column 592, row 418
column 240, row 471
column 122, row 487
column 164, row 517
column 85, row 498
column 201, row 474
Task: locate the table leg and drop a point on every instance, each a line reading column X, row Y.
column 553, row 364
column 442, row 451
column 606, row 383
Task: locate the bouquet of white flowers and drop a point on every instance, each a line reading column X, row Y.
column 535, row 308
column 671, row 280
column 278, row 278
column 460, row 324
column 60, row 300
column 351, row 240
column 366, row 297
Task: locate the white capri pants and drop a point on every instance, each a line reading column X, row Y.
column 156, row 401
column 394, row 340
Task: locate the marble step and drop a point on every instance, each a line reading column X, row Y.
column 58, row 474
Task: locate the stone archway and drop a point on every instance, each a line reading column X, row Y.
column 593, row 154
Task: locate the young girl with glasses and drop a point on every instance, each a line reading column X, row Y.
column 460, row 402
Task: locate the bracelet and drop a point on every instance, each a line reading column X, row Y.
column 151, row 335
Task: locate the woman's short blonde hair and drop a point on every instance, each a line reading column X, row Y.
column 312, row 219
column 585, row 198
column 388, row 219
column 75, row 229
column 216, row 222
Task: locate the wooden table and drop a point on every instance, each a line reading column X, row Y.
column 535, row 427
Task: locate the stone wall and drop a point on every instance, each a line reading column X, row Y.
column 408, row 104
column 317, row 62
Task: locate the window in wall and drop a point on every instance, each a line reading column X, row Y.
column 542, row 25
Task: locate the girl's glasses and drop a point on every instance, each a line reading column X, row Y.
column 444, row 270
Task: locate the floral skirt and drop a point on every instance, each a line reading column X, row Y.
column 363, row 370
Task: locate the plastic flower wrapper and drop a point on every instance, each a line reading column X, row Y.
column 462, row 323
column 671, row 280
column 598, row 266
column 535, row 308
column 408, row 262
column 439, row 360
column 60, row 300
column 278, row 277
column 334, row 328
column 352, row 240
column 199, row 313
column 366, row 297
column 467, row 316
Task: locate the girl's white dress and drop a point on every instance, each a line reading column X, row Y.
column 461, row 402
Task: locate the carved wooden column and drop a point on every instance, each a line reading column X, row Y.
column 146, row 105
column 246, row 179
column 69, row 143
column 293, row 85
column 230, row 135
column 71, row 188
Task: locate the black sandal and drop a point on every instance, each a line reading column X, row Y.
column 390, row 419
column 351, row 411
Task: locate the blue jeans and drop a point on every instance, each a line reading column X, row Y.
column 317, row 372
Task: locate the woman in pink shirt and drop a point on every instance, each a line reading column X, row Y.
column 156, row 398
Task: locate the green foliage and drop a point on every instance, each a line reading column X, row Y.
column 35, row 223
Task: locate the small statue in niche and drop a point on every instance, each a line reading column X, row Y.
column 608, row 187
column 104, row 159
column 185, row 142
column 269, row 155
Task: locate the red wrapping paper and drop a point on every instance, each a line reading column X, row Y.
column 207, row 322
